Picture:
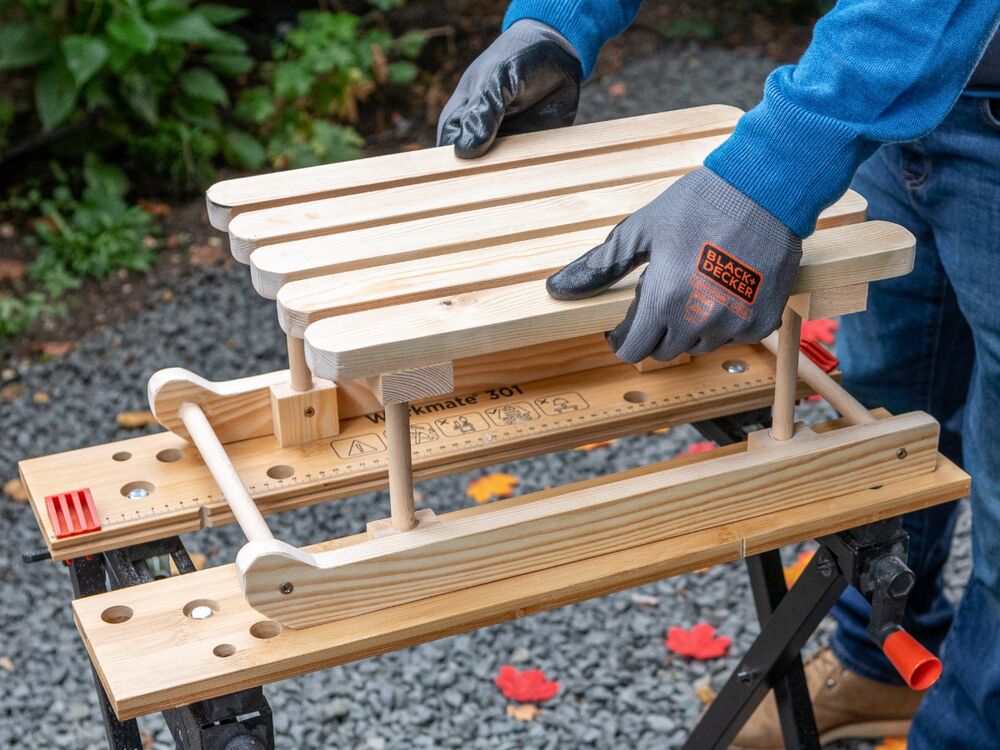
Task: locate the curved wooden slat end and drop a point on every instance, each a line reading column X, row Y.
column 237, row 409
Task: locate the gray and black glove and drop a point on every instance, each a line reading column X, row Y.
column 527, row 80
column 720, row 270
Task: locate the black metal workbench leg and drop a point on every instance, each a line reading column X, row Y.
column 798, row 723
column 88, row 578
column 772, row 653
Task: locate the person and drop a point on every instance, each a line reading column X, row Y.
column 903, row 98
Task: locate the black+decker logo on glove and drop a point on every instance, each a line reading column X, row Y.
column 731, row 274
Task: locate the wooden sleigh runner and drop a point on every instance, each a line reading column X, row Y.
column 421, row 341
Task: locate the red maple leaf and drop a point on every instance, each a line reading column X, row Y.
column 823, row 330
column 529, row 686
column 700, row 447
column 700, row 642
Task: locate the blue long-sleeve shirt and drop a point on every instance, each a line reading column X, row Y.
column 877, row 71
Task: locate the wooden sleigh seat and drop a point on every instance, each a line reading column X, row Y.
column 421, row 341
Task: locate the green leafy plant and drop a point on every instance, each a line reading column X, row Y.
column 321, row 71
column 19, row 313
column 92, row 235
column 126, row 68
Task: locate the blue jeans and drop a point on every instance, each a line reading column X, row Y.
column 931, row 341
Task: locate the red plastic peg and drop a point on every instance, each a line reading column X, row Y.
column 918, row 666
column 819, row 355
column 72, row 513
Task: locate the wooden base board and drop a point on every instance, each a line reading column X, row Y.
column 573, row 526
column 457, row 433
column 143, row 671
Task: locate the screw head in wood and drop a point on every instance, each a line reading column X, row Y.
column 286, row 588
column 901, row 454
column 735, row 366
column 310, row 411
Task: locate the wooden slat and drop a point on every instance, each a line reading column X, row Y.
column 231, row 197
column 274, row 265
column 455, row 195
column 144, row 672
column 542, row 220
column 869, row 251
column 441, row 329
column 456, row 554
column 185, row 498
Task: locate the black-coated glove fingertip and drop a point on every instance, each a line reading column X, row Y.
column 565, row 285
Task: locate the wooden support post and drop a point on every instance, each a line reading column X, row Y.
column 248, row 516
column 301, row 377
column 832, row 391
column 397, row 434
column 396, row 390
column 786, row 376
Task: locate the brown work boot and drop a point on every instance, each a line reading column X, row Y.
column 845, row 703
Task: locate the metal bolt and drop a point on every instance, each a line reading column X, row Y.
column 138, row 493
column 901, row 454
column 286, row 588
column 745, row 676
column 735, row 366
column 201, row 613
column 310, row 411
column 825, row 566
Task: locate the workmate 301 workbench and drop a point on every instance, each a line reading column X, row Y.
column 421, row 341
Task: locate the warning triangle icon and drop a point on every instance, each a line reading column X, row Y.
column 360, row 448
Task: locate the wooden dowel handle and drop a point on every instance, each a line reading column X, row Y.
column 786, row 376
column 301, row 377
column 832, row 391
column 397, row 433
column 214, row 455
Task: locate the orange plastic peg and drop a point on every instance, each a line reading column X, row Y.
column 918, row 666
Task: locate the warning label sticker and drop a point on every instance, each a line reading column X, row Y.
column 356, row 447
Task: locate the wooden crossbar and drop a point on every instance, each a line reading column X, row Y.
column 232, row 197
column 578, row 525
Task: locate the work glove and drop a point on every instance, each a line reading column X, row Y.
column 720, row 270
column 527, row 80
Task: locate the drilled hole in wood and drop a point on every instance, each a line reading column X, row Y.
column 122, row 456
column 265, row 629
column 635, row 397
column 117, row 614
column 281, row 471
column 137, row 490
column 224, row 649
column 201, row 609
column 169, row 455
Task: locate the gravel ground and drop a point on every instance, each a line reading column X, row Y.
column 620, row 689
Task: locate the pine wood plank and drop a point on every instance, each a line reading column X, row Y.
column 560, row 413
column 572, row 526
column 537, row 219
column 457, row 195
column 231, row 197
column 855, row 253
column 366, row 343
column 143, row 672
